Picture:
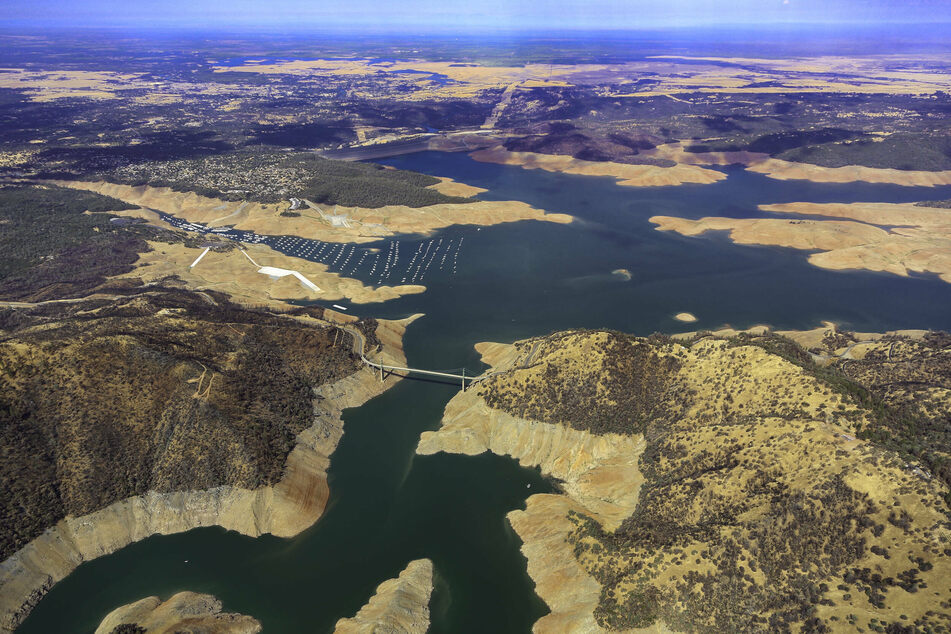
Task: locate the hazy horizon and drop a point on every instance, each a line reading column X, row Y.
column 454, row 15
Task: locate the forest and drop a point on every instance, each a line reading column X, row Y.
column 270, row 177
column 53, row 249
column 161, row 391
column 903, row 151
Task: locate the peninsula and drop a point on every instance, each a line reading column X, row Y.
column 723, row 481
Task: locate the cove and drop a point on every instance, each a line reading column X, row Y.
column 514, row 280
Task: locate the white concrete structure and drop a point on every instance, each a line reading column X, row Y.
column 273, row 271
column 250, row 258
column 335, row 219
column 198, row 259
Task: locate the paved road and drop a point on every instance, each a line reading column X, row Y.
column 359, row 348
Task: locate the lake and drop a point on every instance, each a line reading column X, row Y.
column 511, row 281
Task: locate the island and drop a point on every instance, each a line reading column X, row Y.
column 183, row 612
column 400, row 605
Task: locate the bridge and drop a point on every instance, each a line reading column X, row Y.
column 359, row 347
column 447, row 375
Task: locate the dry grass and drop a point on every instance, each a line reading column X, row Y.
column 626, row 174
column 894, row 238
column 762, row 510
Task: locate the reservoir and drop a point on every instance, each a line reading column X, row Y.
column 510, row 281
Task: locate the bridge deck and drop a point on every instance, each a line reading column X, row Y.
column 397, row 368
column 359, row 345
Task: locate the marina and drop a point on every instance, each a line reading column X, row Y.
column 377, row 263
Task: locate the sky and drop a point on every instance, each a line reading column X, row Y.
column 465, row 14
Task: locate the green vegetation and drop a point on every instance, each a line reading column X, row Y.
column 565, row 139
column 761, row 122
column 52, row 248
column 39, row 222
column 270, row 177
column 776, row 142
column 903, row 151
column 367, row 184
column 837, row 147
column 755, row 501
column 165, row 391
column 622, row 398
column 939, row 204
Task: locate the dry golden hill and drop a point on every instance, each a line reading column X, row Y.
column 720, row 483
column 363, row 224
column 894, row 238
column 123, row 417
column 183, row 612
column 235, row 271
column 626, row 174
column 103, row 400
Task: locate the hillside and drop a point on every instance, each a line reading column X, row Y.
column 183, row 612
column 271, row 177
column 104, row 400
column 903, row 151
column 776, row 489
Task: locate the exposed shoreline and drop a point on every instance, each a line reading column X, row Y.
column 367, row 225
column 283, row 509
column 787, row 170
column 569, row 561
column 185, row 610
column 398, row 605
column 626, row 174
column 600, row 477
column 893, row 238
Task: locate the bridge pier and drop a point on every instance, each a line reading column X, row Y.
column 390, row 369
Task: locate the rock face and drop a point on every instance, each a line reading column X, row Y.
column 284, row 509
column 400, row 606
column 598, row 471
column 767, row 496
column 183, row 612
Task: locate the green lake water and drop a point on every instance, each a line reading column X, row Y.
column 389, row 506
